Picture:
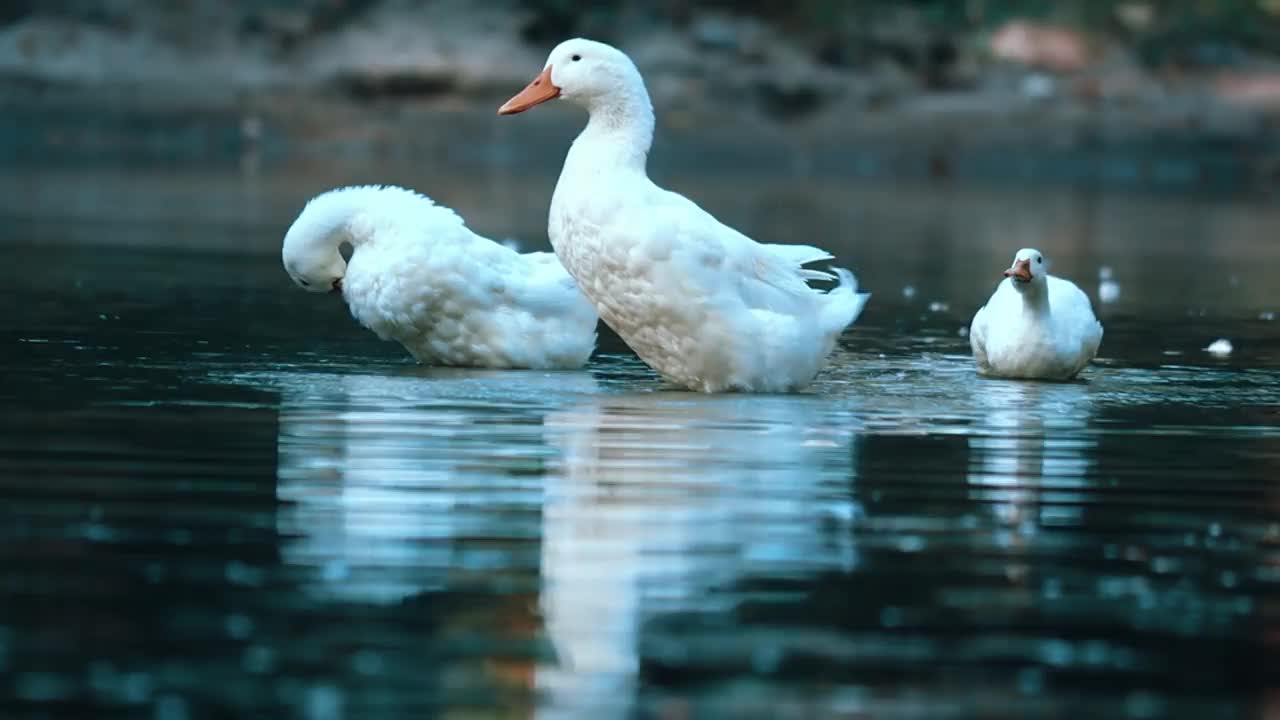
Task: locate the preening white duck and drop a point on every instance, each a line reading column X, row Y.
column 419, row 276
column 1035, row 326
column 706, row 306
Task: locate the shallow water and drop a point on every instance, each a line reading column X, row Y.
column 222, row 499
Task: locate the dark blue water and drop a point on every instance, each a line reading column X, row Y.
column 221, row 499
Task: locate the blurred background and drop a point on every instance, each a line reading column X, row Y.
column 952, row 131
column 1202, row 67
column 232, row 114
column 1081, row 91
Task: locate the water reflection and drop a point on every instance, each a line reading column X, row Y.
column 659, row 503
column 1030, row 439
column 283, row 510
column 634, row 505
column 383, row 478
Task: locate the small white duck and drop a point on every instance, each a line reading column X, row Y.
column 417, row 275
column 706, row 306
column 1035, row 326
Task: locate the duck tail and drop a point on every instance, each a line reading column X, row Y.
column 800, row 255
column 843, row 303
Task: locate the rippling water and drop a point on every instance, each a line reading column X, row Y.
column 219, row 498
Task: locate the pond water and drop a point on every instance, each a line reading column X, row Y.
column 220, row 498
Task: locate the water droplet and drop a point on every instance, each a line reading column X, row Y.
column 1030, row 681
column 911, row 543
column 97, row 532
column 1220, row 347
column 258, row 659
column 322, row 702
column 41, row 687
column 1095, row 653
column 1058, row 652
column 102, row 677
column 135, row 687
column 767, row 660
column 154, row 572
column 238, row 626
column 171, row 707
column 242, row 574
column 367, row 662
column 891, row 617
column 1108, row 291
column 1051, row 589
column 335, row 571
column 1143, row 705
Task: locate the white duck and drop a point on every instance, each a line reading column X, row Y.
column 704, row 305
column 418, row 276
column 1035, row 326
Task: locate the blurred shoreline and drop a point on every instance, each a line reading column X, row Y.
column 1112, row 151
column 1022, row 101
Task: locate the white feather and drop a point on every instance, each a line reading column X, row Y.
column 419, row 276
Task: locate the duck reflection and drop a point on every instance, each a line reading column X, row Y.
column 659, row 503
column 411, row 508
column 384, row 478
column 1031, row 439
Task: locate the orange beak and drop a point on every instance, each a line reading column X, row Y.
column 1020, row 271
column 537, row 92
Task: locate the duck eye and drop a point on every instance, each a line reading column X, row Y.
column 1039, row 260
column 576, row 58
column 304, row 283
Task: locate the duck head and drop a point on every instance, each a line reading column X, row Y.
column 1028, row 270
column 313, row 259
column 584, row 72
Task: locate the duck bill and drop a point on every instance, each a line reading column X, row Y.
column 1021, row 271
column 537, row 92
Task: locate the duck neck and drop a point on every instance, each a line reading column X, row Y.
column 620, row 131
column 342, row 216
column 359, row 215
column 1035, row 300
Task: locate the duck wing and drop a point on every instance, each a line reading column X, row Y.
column 978, row 339
column 720, row 263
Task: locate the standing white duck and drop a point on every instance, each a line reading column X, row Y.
column 417, row 275
column 1035, row 326
column 706, row 306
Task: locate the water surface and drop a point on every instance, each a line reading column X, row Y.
column 220, row 498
